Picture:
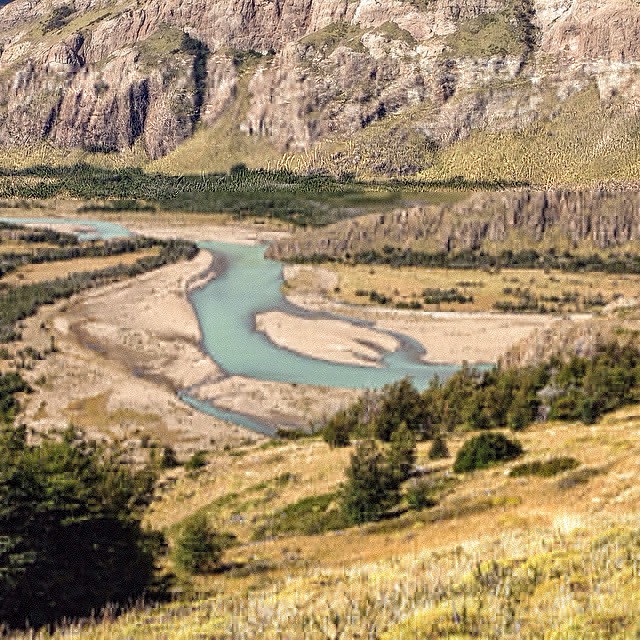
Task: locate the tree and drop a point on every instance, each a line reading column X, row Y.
column 485, row 450
column 370, row 489
column 70, row 525
column 337, row 431
column 401, row 456
column 168, row 459
column 438, row 448
column 400, row 403
column 198, row 548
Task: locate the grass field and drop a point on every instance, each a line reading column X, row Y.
column 405, row 285
column 31, row 273
column 528, row 557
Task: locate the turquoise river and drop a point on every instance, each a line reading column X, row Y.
column 226, row 306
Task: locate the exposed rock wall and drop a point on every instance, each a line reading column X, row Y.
column 603, row 219
column 113, row 73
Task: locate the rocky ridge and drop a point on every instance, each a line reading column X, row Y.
column 598, row 220
column 108, row 75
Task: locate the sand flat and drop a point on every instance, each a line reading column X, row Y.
column 327, row 339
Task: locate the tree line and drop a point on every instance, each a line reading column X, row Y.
column 575, row 388
column 612, row 262
column 11, row 260
column 23, row 301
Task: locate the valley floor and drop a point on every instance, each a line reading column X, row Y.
column 125, row 350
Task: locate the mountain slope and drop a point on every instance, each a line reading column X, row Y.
column 373, row 88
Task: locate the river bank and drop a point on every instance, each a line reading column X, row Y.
column 128, row 349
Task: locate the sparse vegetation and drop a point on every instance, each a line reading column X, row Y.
column 59, row 18
column 544, row 468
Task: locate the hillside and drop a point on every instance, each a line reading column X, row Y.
column 539, row 91
column 498, row 556
column 556, row 221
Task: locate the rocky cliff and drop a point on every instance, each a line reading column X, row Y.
column 594, row 220
column 380, row 84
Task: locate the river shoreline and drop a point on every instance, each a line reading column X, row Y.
column 156, row 337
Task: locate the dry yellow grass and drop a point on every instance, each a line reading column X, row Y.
column 405, row 284
column 517, row 557
column 250, row 483
column 28, row 274
column 16, row 246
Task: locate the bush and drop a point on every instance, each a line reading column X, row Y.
column 168, row 459
column 371, row 487
column 70, row 527
column 401, row 456
column 337, row 431
column 544, row 468
column 485, row 450
column 198, row 548
column 438, row 448
column 420, row 495
column 196, row 461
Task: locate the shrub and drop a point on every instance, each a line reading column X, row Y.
column 371, row 488
column 196, row 461
column 420, row 495
column 70, row 529
column 438, row 448
column 401, row 456
column 485, row 450
column 337, row 431
column 544, row 468
column 198, row 548
column 58, row 18
column 168, row 459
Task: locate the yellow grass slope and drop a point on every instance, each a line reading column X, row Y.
column 497, row 557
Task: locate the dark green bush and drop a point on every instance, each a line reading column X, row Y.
column 371, row 487
column 438, row 448
column 484, row 450
column 197, row 461
column 420, row 495
column 168, row 459
column 58, row 18
column 70, row 529
column 198, row 548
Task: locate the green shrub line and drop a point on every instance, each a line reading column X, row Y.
column 577, row 388
column 23, row 301
column 314, row 199
column 544, row 468
column 613, row 262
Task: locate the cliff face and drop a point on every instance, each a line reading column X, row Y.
column 563, row 219
column 109, row 74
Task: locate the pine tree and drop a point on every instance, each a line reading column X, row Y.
column 370, row 489
column 401, row 456
column 438, row 448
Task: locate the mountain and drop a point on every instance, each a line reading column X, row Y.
column 533, row 90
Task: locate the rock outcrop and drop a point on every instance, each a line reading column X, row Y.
column 562, row 219
column 106, row 75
